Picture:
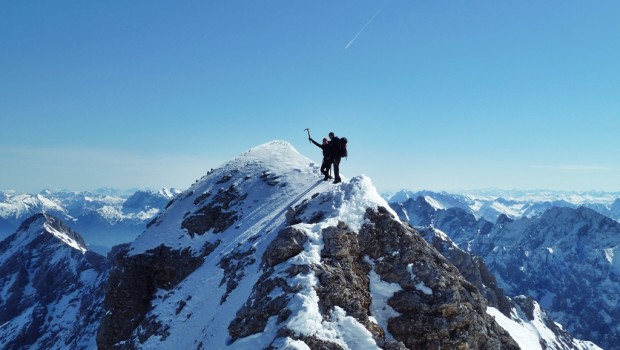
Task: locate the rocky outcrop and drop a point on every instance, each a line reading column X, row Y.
column 343, row 276
column 438, row 308
column 217, row 214
column 472, row 268
column 344, row 280
column 286, row 245
column 131, row 288
column 263, row 303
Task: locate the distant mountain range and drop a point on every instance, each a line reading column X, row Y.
column 490, row 204
column 105, row 218
column 565, row 257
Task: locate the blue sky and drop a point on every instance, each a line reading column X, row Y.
column 441, row 95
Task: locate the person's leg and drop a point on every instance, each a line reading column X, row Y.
column 337, row 170
column 325, row 168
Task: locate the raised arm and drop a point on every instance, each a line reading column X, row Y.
column 316, row 143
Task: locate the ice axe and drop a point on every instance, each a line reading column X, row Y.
column 308, row 130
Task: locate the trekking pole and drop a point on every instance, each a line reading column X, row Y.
column 308, row 130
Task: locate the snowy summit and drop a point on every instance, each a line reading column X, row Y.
column 274, row 175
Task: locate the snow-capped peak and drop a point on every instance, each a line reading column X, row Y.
column 47, row 226
column 67, row 238
column 51, row 288
column 257, row 188
column 435, row 204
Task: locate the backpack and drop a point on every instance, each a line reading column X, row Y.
column 343, row 146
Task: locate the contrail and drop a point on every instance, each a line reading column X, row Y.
column 366, row 25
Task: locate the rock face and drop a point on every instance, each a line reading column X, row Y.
column 439, row 308
column 132, row 285
column 51, row 287
column 217, row 214
column 471, row 267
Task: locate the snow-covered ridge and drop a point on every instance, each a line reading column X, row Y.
column 262, row 189
column 274, row 174
column 42, row 224
column 65, row 238
column 15, row 206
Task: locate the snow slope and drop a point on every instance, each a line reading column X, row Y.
column 276, row 179
column 532, row 334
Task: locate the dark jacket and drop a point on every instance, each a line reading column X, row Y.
column 334, row 148
column 326, row 148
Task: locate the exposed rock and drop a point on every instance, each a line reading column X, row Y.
column 202, row 197
column 253, row 315
column 298, row 214
column 226, row 178
column 472, row 268
column 233, row 265
column 439, row 308
column 312, row 342
column 319, row 344
column 261, row 305
column 131, row 287
column 270, row 179
column 343, row 276
column 217, row 214
column 286, row 245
